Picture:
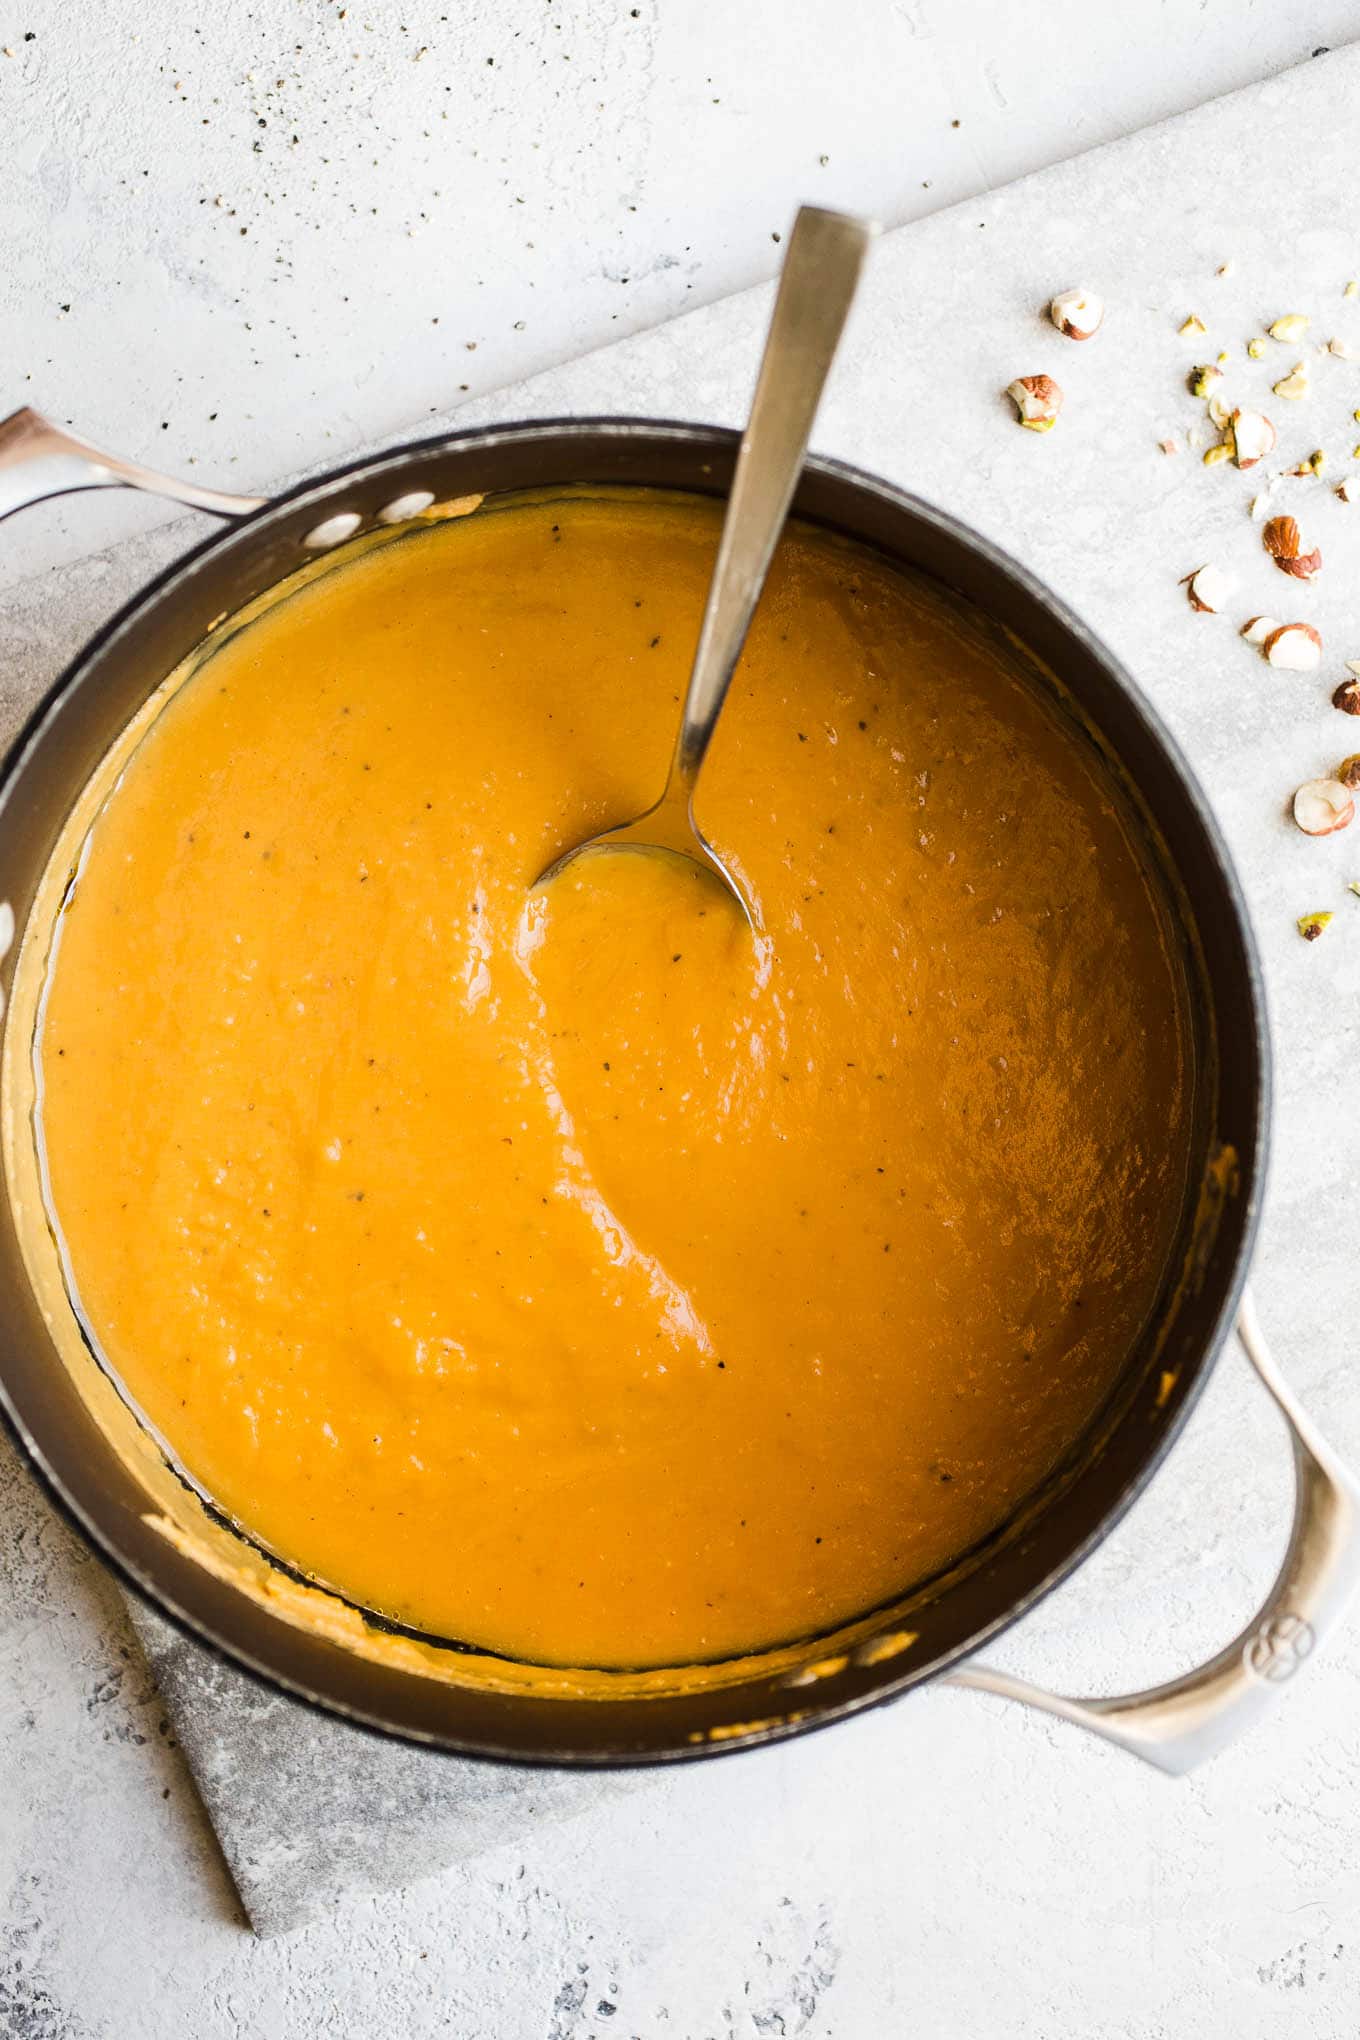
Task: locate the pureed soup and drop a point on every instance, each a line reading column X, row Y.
column 572, row 1272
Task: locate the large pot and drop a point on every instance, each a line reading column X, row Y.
column 760, row 1699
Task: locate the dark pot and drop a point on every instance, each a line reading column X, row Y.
column 831, row 1677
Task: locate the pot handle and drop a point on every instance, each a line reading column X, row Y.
column 1180, row 1724
column 38, row 459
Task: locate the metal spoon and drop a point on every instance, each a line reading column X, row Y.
column 822, row 266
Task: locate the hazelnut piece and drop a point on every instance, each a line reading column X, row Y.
column 1253, row 437
column 1348, row 772
column 1294, row 647
column 1038, row 401
column 1257, row 629
column 1280, row 537
column 1077, row 313
column 1322, row 806
column 1347, row 697
column 1209, row 589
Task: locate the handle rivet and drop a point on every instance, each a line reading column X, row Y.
column 333, row 530
column 402, row 507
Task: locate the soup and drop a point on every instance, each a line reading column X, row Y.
column 572, row 1271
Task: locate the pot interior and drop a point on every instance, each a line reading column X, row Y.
column 118, row 1482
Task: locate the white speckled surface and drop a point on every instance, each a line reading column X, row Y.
column 948, row 1865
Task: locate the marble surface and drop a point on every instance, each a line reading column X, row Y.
column 948, row 1864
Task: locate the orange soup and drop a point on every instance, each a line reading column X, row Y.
column 571, row 1271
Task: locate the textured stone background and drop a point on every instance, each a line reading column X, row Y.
column 948, row 1866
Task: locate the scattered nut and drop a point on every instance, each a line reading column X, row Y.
column 1292, row 326
column 1214, row 454
column 1294, row 386
column 1322, row 806
column 1253, row 436
column 1353, row 885
column 1219, row 413
column 1256, row 348
column 1225, row 268
column 1077, row 313
column 1352, row 289
column 1202, row 379
column 1209, row 589
column 1348, row 772
column 1168, row 445
column 1345, row 491
column 1342, row 348
column 1294, row 647
column 1347, row 697
column 1257, row 629
column 1310, row 926
column 1280, row 537
column 1038, row 401
column 1193, row 327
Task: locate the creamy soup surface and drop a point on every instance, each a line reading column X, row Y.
column 573, row 1272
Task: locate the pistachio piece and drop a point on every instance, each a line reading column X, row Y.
column 1193, row 327
column 1294, row 386
column 1322, row 806
column 1203, row 379
column 1292, row 326
column 1310, row 926
column 1256, row 348
column 1037, row 400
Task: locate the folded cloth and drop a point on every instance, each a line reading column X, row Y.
column 310, row 1810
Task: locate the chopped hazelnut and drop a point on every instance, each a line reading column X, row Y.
column 1348, row 772
column 1037, row 400
column 1280, row 537
column 1209, row 589
column 1077, row 313
column 1347, row 697
column 1253, row 436
column 1294, row 648
column 1322, row 806
column 1310, row 926
column 1257, row 629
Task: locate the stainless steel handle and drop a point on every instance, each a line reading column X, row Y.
column 1178, row 1725
column 822, row 267
column 38, row 459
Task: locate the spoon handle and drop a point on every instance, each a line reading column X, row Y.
column 822, row 267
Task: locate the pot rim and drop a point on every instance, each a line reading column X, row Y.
column 608, row 426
